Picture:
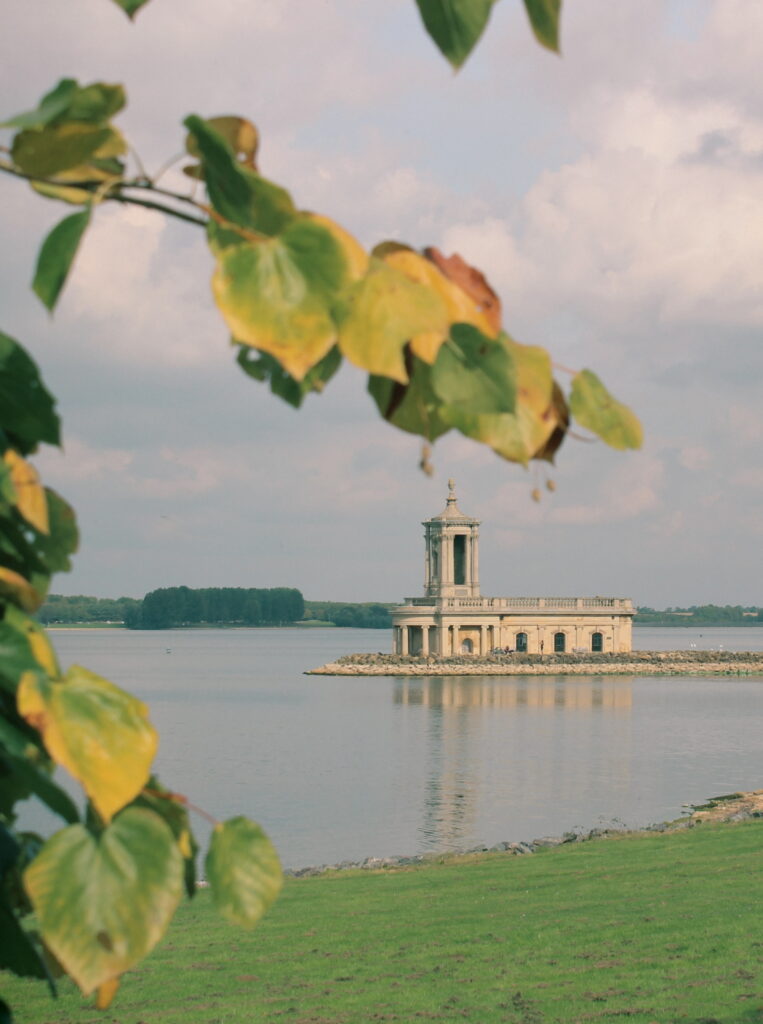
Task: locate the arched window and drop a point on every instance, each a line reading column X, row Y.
column 560, row 642
column 521, row 641
column 597, row 642
column 467, row 646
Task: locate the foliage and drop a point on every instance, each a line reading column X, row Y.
column 182, row 606
column 298, row 294
column 360, row 616
column 700, row 615
column 60, row 609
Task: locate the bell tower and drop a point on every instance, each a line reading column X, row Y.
column 451, row 567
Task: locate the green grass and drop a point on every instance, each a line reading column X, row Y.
column 646, row 928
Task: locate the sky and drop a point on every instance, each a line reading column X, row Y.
column 613, row 196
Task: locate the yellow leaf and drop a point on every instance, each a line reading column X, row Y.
column 105, row 993
column 19, row 589
column 460, row 308
column 384, row 311
column 184, row 842
column 99, row 733
column 30, row 494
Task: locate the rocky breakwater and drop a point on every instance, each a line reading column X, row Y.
column 642, row 663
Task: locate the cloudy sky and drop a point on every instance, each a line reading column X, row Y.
column 614, row 198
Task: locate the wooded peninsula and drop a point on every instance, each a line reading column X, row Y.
column 170, row 607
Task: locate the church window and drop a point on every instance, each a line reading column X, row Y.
column 521, row 641
column 560, row 642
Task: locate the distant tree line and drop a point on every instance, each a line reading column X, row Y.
column 701, row 615
column 79, row 608
column 360, row 616
column 182, row 606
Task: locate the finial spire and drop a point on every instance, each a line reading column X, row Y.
column 451, row 491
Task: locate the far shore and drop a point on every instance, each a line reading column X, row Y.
column 643, row 663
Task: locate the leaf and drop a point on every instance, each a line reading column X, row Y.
column 24, row 647
column 171, row 808
column 27, row 409
column 455, row 25
column 414, row 406
column 265, row 367
column 37, row 781
column 20, row 590
column 518, row 436
column 18, row 952
column 62, row 538
column 51, row 106
column 103, row 902
column 278, row 295
column 243, row 871
column 472, row 283
column 99, row 733
column 595, row 409
column 474, row 374
column 544, row 19
column 236, row 193
column 383, row 312
column 130, row 7
column 31, row 500
column 56, row 148
column 57, row 255
column 96, row 103
column 240, row 134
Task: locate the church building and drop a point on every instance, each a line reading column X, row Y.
column 453, row 618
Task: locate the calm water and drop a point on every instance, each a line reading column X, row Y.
column 343, row 768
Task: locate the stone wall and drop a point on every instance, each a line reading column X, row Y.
column 630, row 663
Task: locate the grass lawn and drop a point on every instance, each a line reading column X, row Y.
column 645, row 928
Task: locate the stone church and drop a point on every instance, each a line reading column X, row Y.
column 453, row 618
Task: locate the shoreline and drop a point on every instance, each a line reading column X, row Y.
column 733, row 807
column 673, row 663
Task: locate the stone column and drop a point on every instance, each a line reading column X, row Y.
column 425, row 640
column 442, row 640
column 483, row 639
column 475, row 580
column 403, row 639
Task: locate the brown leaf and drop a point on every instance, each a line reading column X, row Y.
column 469, row 280
column 558, row 412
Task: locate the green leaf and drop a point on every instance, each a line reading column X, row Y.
column 382, row 312
column 62, row 538
column 38, row 782
column 96, row 103
column 170, row 808
column 595, row 409
column 52, row 105
column 18, row 953
column 58, row 147
column 473, row 374
column 455, row 25
column 27, row 409
column 413, row 407
column 103, row 902
column 57, row 255
column 238, row 194
column 99, row 733
column 544, row 18
column 243, row 871
column 278, row 295
column 24, row 647
column 131, row 7
column 264, row 367
column 517, row 436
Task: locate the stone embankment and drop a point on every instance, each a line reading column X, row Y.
column 734, row 807
column 663, row 663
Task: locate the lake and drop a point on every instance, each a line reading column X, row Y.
column 347, row 767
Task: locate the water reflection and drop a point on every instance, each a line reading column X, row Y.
column 605, row 692
column 460, row 740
